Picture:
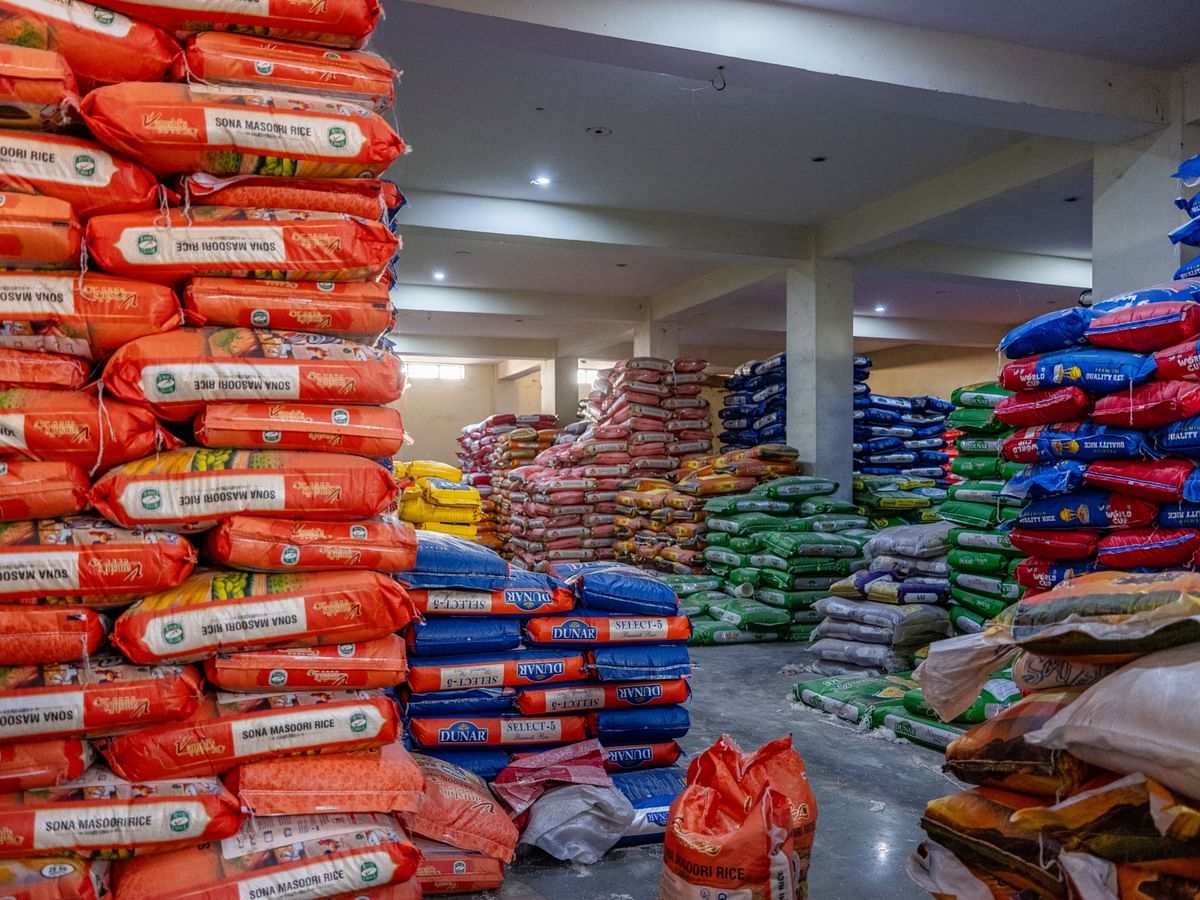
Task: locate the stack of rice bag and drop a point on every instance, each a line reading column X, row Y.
column 899, row 499
column 898, row 435
column 777, row 551
column 755, row 407
column 434, row 498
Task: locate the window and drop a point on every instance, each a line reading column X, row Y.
column 436, row 372
column 586, row 376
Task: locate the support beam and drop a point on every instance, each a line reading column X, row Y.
column 930, row 331
column 558, row 224
column 899, row 217
column 458, row 345
column 973, row 262
column 793, row 49
column 598, row 344
column 660, row 339
column 512, row 369
column 560, row 388
column 530, row 304
column 712, row 286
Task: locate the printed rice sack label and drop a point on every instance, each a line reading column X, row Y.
column 585, row 698
column 523, row 600
column 636, row 757
column 99, row 814
column 192, row 489
column 1150, row 405
column 100, row 46
column 493, row 670
column 37, row 88
column 383, row 780
column 106, row 696
column 247, row 61
column 38, row 635
column 568, row 631
column 1094, row 370
column 1041, row 407
column 36, row 764
column 1042, row 574
column 87, row 316
column 352, row 856
column 351, row 310
column 35, row 369
column 241, row 243
column 1147, row 328
column 180, row 128
column 88, row 558
column 985, row 394
column 289, row 545
column 1089, row 508
column 370, row 664
column 178, row 374
column 449, row 870
column 74, row 170
column 341, row 24
column 41, row 490
column 461, row 811
column 485, row 731
column 210, row 743
column 372, row 431
column 37, row 232
column 230, row 610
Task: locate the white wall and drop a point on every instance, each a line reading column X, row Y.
column 915, row 369
column 435, row 411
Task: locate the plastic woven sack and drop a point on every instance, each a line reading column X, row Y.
column 1148, row 548
column 1044, row 406
column 37, row 232
column 36, row 764
column 1089, row 508
column 1056, row 330
column 1149, row 405
column 1075, row 440
column 1056, row 544
column 1095, row 370
column 35, row 369
column 283, row 545
column 361, row 666
column 589, row 631
column 462, row 635
column 462, row 812
column 984, row 394
column 522, row 668
column 39, row 635
column 1146, row 328
column 376, row 432
column 41, row 490
column 1162, row 480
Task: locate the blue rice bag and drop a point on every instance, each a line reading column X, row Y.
column 1155, row 293
column 1089, row 508
column 455, row 635
column 1050, row 331
column 487, row 764
column 1096, row 370
column 479, row 701
column 660, row 662
column 619, row 588
column 651, row 794
column 442, row 554
column 1180, row 515
column 1180, row 438
column 651, row 723
column 1046, row 479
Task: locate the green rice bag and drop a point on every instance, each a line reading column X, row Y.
column 720, row 570
column 998, row 694
column 742, row 523
column 793, row 487
column 793, row 544
column 916, row 729
column 733, row 504
column 717, row 538
column 684, row 585
column 854, row 697
column 832, row 522
column 983, row 492
column 981, row 604
column 996, row 585
column 971, row 515
column 818, row 506
column 750, row 615
column 980, row 445
column 966, row 621
column 769, row 561
column 801, row 634
column 890, row 501
column 975, row 420
column 744, row 575
column 744, row 544
column 789, row 600
column 975, row 467
column 987, row 541
column 724, row 556
column 690, row 608
column 983, row 395
column 978, row 561
column 707, row 632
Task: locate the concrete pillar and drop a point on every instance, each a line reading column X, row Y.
column 560, row 388
column 506, row 394
column 660, row 339
column 820, row 344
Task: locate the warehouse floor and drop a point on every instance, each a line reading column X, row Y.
column 870, row 791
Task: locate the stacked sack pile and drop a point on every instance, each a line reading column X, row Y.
column 434, row 498
column 281, row 493
column 777, row 551
column 890, row 500
column 754, row 410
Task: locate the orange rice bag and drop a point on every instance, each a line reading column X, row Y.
column 384, row 779
column 342, row 24
column 572, row 631
column 41, row 490
column 229, row 610
column 88, row 558
column 101, row 47
column 288, row 545
column 366, row 198
column 81, row 172
column 49, row 634
column 70, row 426
column 241, row 243
column 352, row 310
column 42, row 764
column 55, row 878
column 248, row 61
column 51, row 311
column 586, row 697
column 496, row 731
column 373, row 431
column 178, row 129
column 209, row 743
column 103, row 696
column 178, row 374
column 99, row 814
column 460, row 811
column 37, row 89
column 39, row 369
column 37, row 232
column 451, row 870
column 193, row 489
column 370, row 664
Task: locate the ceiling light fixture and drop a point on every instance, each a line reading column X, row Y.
column 880, row 308
column 820, row 159
column 599, row 131
column 1070, row 199
column 439, row 275
column 622, row 265
column 542, row 181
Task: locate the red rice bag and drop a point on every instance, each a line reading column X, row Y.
column 229, row 610
column 1044, row 407
column 78, row 171
column 209, row 743
column 55, row 878
column 371, row 664
column 524, row 669
column 1181, row 360
column 99, row 814
column 41, row 490
column 286, row 545
column 372, row 431
column 42, row 764
column 461, row 811
column 100, row 46
column 193, row 489
column 106, row 696
column 631, row 757
column 1148, row 548
column 584, row 698
column 50, row 311
column 1146, row 328
column 522, row 601
column 1161, row 480
column 497, row 731
column 180, row 128
column 1061, row 546
column 450, row 870
column 177, row 374
column 88, row 558
column 37, row 232
column 382, row 780
column 247, row 61
column 241, row 243
column 351, row 310
column 38, row 369
column 37, row 88
column 1043, row 574
column 49, row 634
column 571, row 631
column 1149, row 405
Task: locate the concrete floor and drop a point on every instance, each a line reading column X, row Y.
column 870, row 791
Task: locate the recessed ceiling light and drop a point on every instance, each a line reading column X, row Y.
column 599, row 131
column 542, row 181
column 820, row 159
column 622, row 265
column 439, row 275
column 462, row 252
column 1070, row 199
column 539, row 109
column 880, row 308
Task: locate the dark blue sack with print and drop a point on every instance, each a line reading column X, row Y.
column 618, row 588
column 454, row 635
column 1089, row 508
column 1096, row 370
column 440, row 554
column 1180, row 438
column 1090, row 442
column 1046, row 479
column 1155, row 293
column 487, row 764
column 651, row 794
column 1180, row 515
column 446, row 704
column 660, row 662
column 932, row 458
column 1050, row 331
column 651, row 723
column 773, row 434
